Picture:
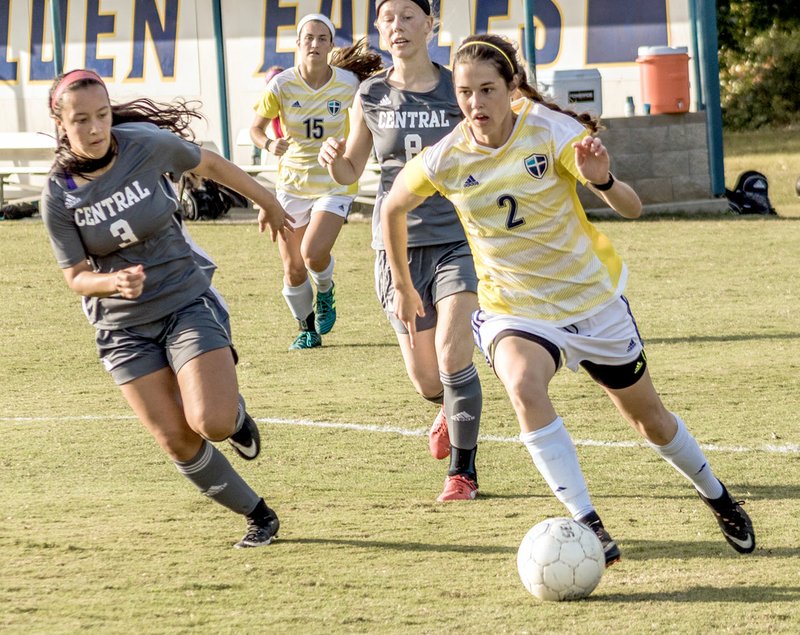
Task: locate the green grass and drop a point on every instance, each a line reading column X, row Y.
column 99, row 533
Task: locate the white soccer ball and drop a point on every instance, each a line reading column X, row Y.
column 560, row 559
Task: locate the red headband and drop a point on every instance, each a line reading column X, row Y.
column 71, row 78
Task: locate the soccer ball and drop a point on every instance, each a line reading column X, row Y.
column 560, row 559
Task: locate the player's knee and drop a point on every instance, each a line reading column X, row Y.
column 295, row 276
column 214, row 425
column 316, row 259
column 525, row 396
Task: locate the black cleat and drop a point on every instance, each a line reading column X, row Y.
column 261, row 530
column 593, row 522
column 733, row 521
column 246, row 440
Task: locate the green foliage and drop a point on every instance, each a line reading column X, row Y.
column 740, row 21
column 759, row 62
column 759, row 85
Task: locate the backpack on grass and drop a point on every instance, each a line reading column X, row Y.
column 204, row 199
column 750, row 195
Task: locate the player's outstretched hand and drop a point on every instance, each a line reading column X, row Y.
column 330, row 150
column 278, row 221
column 591, row 159
column 130, row 282
column 407, row 306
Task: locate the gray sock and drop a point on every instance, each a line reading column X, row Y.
column 214, row 476
column 463, row 401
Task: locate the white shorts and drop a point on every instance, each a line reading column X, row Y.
column 608, row 338
column 302, row 208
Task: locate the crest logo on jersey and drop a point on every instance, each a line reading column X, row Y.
column 536, row 165
column 334, row 106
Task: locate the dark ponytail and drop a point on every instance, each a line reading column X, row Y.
column 358, row 59
column 503, row 54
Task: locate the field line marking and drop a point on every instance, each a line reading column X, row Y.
column 770, row 448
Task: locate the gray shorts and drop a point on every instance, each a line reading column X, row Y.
column 437, row 271
column 201, row 326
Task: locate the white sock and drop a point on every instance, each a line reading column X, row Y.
column 300, row 299
column 554, row 455
column 323, row 280
column 684, row 454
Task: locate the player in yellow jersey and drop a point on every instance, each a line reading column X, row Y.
column 550, row 283
column 312, row 101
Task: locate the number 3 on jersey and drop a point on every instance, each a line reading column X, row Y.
column 512, row 221
column 121, row 229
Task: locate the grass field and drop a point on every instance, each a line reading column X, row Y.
column 99, row 533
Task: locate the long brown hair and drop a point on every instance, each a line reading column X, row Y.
column 176, row 117
column 358, row 58
column 502, row 53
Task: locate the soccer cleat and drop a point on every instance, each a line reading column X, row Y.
column 325, row 310
column 306, row 339
column 246, row 440
column 610, row 548
column 733, row 521
column 459, row 487
column 438, row 437
column 261, row 531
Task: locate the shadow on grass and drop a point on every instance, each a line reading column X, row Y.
column 403, row 546
column 689, row 549
column 638, row 550
column 695, row 339
column 701, row 594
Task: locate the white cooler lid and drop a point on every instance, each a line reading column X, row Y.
column 662, row 50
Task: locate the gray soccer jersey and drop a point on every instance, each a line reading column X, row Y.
column 126, row 217
column 402, row 124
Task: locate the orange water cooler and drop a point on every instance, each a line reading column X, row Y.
column 664, row 78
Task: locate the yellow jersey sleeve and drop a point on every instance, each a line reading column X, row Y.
column 416, row 179
column 269, row 105
column 566, row 158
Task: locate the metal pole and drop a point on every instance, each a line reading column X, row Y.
column 222, row 82
column 699, row 103
column 530, row 39
column 58, row 36
column 709, row 65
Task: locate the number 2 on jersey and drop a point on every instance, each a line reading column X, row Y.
column 511, row 220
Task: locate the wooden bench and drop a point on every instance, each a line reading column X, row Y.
column 18, row 150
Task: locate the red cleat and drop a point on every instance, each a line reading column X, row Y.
column 438, row 437
column 458, row 488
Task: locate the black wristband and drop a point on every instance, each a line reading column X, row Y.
column 267, row 144
column 604, row 187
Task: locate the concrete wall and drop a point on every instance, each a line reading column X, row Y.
column 664, row 158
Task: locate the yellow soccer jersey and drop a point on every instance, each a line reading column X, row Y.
column 308, row 117
column 535, row 252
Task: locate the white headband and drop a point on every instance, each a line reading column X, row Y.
column 316, row 17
